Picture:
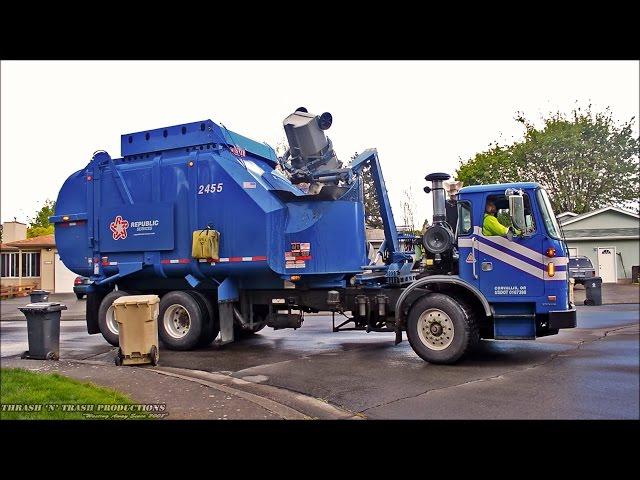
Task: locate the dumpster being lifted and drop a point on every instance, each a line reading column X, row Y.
column 137, row 317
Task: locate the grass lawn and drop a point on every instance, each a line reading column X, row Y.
column 49, row 396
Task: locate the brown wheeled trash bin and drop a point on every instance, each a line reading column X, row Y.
column 137, row 318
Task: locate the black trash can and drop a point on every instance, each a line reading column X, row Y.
column 43, row 330
column 38, row 296
column 593, row 290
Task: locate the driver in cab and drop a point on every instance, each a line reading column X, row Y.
column 491, row 226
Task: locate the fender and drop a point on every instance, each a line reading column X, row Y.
column 438, row 279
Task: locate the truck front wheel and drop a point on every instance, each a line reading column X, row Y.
column 441, row 330
column 181, row 321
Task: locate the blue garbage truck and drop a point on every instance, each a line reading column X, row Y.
column 234, row 238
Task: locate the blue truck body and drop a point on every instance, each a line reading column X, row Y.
column 161, row 191
column 128, row 222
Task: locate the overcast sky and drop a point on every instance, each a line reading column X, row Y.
column 422, row 116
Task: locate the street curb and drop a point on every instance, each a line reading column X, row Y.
column 284, row 403
column 310, row 406
column 283, row 411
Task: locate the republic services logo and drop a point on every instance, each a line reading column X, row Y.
column 119, row 228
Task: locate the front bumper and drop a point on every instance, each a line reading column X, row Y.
column 563, row 319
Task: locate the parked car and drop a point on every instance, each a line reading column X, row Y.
column 80, row 286
column 580, row 269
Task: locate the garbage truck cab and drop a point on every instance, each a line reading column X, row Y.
column 522, row 274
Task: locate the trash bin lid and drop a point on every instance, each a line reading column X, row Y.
column 40, row 292
column 137, row 300
column 43, row 307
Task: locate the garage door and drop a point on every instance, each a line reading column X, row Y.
column 63, row 277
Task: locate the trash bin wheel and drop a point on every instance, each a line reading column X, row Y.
column 589, row 302
column 118, row 359
column 52, row 356
column 153, row 353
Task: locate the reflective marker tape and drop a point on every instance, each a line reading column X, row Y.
column 260, row 258
column 71, row 224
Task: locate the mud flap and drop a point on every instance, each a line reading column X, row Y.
column 227, row 294
column 225, row 312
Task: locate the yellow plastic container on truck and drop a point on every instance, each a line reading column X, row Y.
column 137, row 318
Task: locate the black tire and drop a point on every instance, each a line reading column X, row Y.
column 109, row 336
column 197, row 320
column 259, row 323
column 118, row 359
column 79, row 296
column 465, row 329
column 239, row 332
column 210, row 332
column 153, row 354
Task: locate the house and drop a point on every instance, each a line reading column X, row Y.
column 608, row 236
column 31, row 262
column 375, row 237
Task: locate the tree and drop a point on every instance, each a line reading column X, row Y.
column 372, row 217
column 40, row 225
column 408, row 207
column 584, row 160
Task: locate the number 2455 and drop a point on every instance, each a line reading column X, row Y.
column 209, row 188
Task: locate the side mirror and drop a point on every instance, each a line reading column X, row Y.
column 516, row 210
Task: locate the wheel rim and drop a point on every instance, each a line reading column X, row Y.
column 112, row 325
column 177, row 321
column 435, row 329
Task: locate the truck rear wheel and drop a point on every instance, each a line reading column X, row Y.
column 181, row 320
column 441, row 330
column 212, row 326
column 107, row 320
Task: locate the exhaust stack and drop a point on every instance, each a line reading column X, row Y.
column 439, row 237
column 438, row 195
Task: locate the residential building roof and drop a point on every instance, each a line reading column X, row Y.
column 565, row 214
column 44, row 241
column 582, row 216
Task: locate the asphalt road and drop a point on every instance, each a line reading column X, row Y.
column 591, row 372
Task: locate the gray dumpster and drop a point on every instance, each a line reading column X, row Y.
column 38, row 296
column 593, row 290
column 43, row 330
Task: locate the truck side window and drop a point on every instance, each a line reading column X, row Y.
column 464, row 218
column 503, row 214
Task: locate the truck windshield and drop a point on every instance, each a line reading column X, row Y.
column 548, row 216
